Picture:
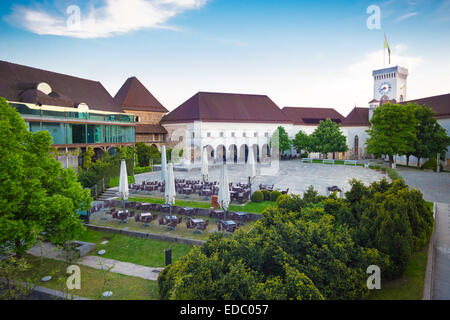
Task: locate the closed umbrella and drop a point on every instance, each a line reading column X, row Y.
column 251, row 165
column 170, row 192
column 124, row 191
column 163, row 163
column 205, row 165
column 224, row 189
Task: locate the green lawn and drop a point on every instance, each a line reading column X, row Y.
column 338, row 162
column 114, row 182
column 145, row 252
column 92, row 281
column 410, row 286
column 251, row 207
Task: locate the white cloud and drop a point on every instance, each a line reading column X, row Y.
column 406, row 16
column 111, row 18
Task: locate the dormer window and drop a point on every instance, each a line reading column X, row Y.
column 44, row 88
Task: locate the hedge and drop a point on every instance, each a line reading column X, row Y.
column 257, row 196
column 275, row 195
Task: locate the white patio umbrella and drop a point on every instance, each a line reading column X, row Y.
column 224, row 190
column 251, row 167
column 170, row 192
column 163, row 163
column 205, row 165
column 124, row 191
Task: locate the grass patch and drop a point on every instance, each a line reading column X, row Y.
column 338, row 162
column 114, row 182
column 92, row 281
column 145, row 252
column 410, row 286
column 250, row 207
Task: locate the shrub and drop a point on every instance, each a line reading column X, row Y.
column 304, row 155
column 275, row 195
column 291, row 203
column 139, row 170
column 257, row 196
column 266, row 194
column 393, row 174
column 431, row 164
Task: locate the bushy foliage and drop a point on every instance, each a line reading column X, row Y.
column 257, row 196
column 285, row 257
column 108, row 167
column 389, row 217
column 274, row 195
column 327, row 138
column 37, row 196
column 266, row 194
column 139, row 170
column 309, row 247
column 431, row 164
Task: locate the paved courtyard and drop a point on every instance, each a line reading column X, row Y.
column 434, row 186
column 295, row 175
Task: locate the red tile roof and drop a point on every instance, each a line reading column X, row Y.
column 134, row 96
column 440, row 104
column 150, row 128
column 312, row 116
column 358, row 117
column 19, row 83
column 227, row 107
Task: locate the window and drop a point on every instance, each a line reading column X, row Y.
column 193, row 135
column 208, row 134
column 221, row 135
column 266, row 134
column 256, row 135
column 233, row 134
column 244, row 135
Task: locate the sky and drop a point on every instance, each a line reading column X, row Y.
column 299, row 53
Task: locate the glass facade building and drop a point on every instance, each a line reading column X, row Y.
column 80, row 128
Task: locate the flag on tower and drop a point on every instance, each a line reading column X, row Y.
column 386, row 46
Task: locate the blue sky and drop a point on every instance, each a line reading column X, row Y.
column 300, row 53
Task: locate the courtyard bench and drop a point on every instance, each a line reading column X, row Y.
column 328, row 161
column 353, row 162
column 307, row 160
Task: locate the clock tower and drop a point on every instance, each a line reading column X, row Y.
column 389, row 84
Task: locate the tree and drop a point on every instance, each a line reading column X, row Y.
column 143, row 154
column 37, row 196
column 328, row 138
column 88, row 157
column 393, row 131
column 284, row 141
column 431, row 139
column 301, row 142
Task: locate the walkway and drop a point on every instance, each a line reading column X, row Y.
column 441, row 277
column 125, row 268
column 434, row 186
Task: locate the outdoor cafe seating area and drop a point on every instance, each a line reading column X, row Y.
column 162, row 215
column 203, row 189
column 271, row 188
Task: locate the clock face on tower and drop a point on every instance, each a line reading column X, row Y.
column 385, row 88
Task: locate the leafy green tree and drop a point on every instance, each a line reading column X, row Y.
column 285, row 143
column 328, row 138
column 88, row 155
column 301, row 142
column 36, row 195
column 431, row 139
column 393, row 131
column 144, row 154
